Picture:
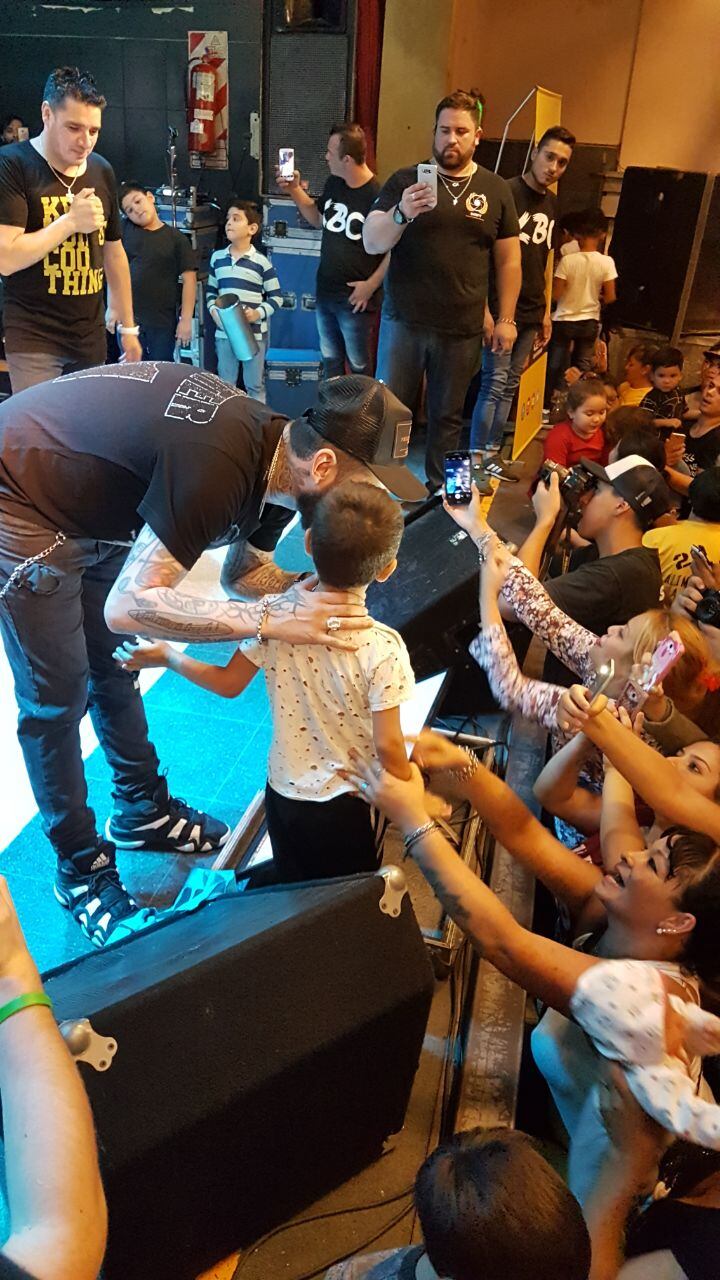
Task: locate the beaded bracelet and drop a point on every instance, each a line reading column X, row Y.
column 264, row 611
column 507, row 320
column 24, row 1002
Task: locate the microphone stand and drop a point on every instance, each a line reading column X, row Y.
column 172, row 165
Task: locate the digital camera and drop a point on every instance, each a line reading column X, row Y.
column 573, row 481
column 708, row 610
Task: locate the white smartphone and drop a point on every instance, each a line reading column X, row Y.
column 286, row 162
column 428, row 173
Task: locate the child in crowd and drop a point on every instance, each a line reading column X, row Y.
column 558, row 412
column 159, row 257
column 638, row 367
column 325, row 702
column 666, row 401
column 581, row 435
column 582, row 281
column 241, row 269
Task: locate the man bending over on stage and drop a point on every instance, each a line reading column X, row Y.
column 325, row 703
column 166, row 460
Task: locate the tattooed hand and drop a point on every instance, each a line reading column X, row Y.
column 301, row 614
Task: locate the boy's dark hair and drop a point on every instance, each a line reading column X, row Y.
column 470, row 100
column 356, row 530
column 353, row 142
column 490, row 1205
column 590, row 222
column 70, row 82
column 567, row 222
column 644, row 352
column 581, row 391
column 248, row 207
column 557, row 133
column 127, row 188
column 645, row 443
column 627, row 417
column 667, row 357
column 704, row 494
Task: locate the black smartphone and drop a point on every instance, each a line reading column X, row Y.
column 458, row 478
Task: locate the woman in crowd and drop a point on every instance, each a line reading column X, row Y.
column 662, row 906
column 702, row 438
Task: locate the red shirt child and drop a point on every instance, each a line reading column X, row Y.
column 581, row 434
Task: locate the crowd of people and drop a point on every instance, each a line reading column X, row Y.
column 116, row 477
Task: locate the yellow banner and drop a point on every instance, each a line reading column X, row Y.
column 528, row 422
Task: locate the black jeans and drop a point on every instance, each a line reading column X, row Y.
column 571, row 342
column 449, row 362
column 60, row 651
column 157, row 343
column 319, row 840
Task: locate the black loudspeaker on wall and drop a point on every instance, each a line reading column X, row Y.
column 307, row 83
column 666, row 246
column 266, row 1048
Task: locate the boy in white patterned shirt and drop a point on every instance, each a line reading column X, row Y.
column 325, row 702
column 241, row 269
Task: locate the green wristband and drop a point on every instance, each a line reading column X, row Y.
column 24, row 1002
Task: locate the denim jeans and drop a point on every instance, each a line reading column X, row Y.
column 448, row 361
column 572, row 341
column 344, row 335
column 228, row 366
column 500, row 378
column 60, row 652
column 158, row 344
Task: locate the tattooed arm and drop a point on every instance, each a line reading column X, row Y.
column 146, row 601
column 250, row 574
column 543, row 968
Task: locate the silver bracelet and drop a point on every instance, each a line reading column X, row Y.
column 412, row 839
column 133, row 329
column 264, row 611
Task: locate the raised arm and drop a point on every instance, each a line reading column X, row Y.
column 58, row 1219
column 145, row 600
column 20, row 249
column 619, row 828
column 543, row 968
column 650, row 775
column 559, row 791
column 510, row 821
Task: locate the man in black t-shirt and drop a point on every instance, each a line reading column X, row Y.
column 349, row 278
column 537, row 211
column 434, row 306
column 60, row 240
column 166, row 460
column 159, row 257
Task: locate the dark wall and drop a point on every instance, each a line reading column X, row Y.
column 139, row 59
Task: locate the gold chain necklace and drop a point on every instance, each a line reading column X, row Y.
column 460, row 194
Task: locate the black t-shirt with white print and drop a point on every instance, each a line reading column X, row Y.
column 56, row 304
column 343, row 256
column 438, row 273
column 537, row 213
column 99, row 453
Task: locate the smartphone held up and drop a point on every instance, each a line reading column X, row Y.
column 286, row 162
column 458, row 478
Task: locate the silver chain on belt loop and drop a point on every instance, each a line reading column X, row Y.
column 41, row 555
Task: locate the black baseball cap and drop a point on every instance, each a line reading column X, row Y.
column 638, row 482
column 363, row 418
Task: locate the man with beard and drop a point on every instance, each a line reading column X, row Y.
column 436, row 286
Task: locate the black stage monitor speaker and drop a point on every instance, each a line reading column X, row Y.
column 308, row 72
column 266, row 1047
column 666, row 246
column 432, row 597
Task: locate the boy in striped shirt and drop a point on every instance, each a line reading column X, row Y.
column 242, row 270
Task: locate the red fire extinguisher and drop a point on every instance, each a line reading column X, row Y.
column 201, row 105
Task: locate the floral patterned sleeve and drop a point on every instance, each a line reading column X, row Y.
column 570, row 642
column 535, row 699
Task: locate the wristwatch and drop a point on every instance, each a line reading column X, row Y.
column 399, row 216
